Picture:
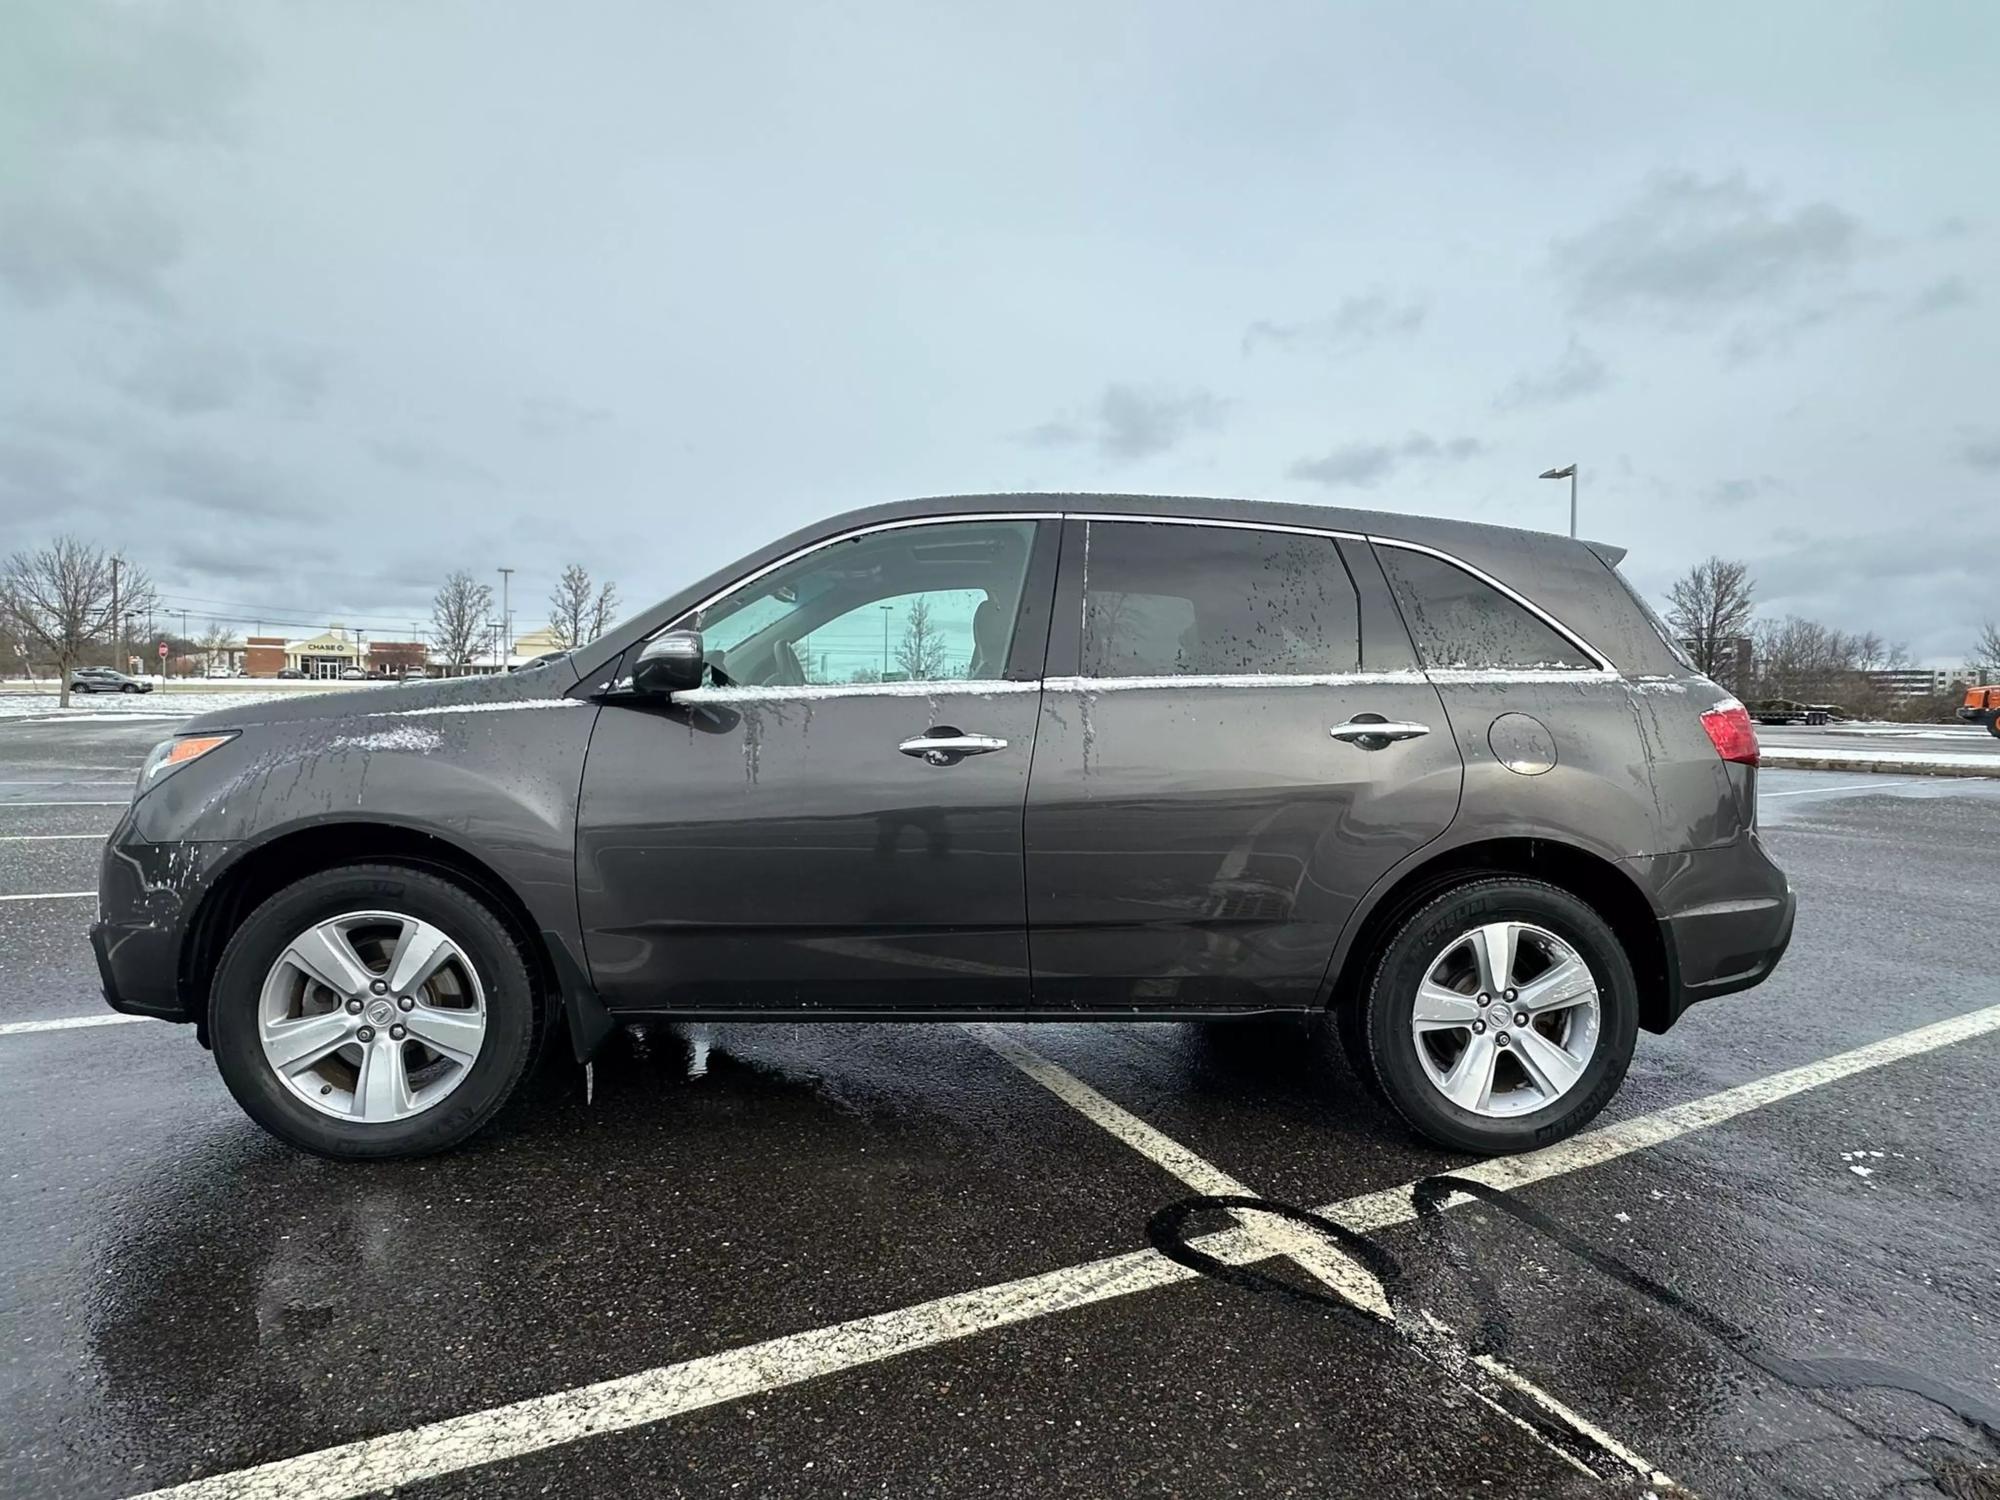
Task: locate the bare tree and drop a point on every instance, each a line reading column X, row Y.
column 1986, row 650
column 921, row 654
column 58, row 601
column 602, row 612
column 458, row 619
column 1808, row 662
column 1709, row 609
column 214, row 642
column 569, row 606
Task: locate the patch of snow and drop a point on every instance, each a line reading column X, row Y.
column 403, row 737
column 479, row 708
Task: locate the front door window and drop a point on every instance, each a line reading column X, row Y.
column 934, row 603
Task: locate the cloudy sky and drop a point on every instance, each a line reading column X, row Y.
column 303, row 305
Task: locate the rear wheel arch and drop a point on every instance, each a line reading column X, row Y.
column 1596, row 881
column 291, row 856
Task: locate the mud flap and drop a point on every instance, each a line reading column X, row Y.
column 589, row 1022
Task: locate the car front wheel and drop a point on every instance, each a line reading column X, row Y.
column 1500, row 1016
column 372, row 1011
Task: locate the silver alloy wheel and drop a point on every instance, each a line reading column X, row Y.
column 372, row 1016
column 1506, row 1019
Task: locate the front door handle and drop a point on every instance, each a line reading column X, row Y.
column 947, row 747
column 1371, row 733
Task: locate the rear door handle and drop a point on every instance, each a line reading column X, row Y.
column 1376, row 734
column 946, row 747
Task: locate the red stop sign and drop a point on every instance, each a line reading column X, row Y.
column 163, row 650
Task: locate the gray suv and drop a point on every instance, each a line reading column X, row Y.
column 1025, row 757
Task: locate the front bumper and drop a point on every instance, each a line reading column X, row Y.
column 1727, row 916
column 145, row 896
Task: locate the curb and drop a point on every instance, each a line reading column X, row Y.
column 1975, row 766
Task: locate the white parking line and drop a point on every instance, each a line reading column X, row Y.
column 1430, row 1337
column 542, row 1422
column 49, row 896
column 1345, row 1275
column 48, row 838
column 64, row 1023
column 63, row 782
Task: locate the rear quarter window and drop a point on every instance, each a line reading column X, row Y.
column 1459, row 623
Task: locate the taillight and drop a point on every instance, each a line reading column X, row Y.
column 1732, row 732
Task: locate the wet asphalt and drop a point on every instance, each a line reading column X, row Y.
column 184, row 1297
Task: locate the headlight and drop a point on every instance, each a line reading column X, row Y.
column 170, row 755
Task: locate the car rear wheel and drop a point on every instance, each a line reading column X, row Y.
column 1500, row 1016
column 371, row 1011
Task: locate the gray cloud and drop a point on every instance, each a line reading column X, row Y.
column 1762, row 338
column 1128, row 422
column 214, row 481
column 1361, row 465
column 427, row 462
column 76, row 239
column 1579, row 372
column 130, row 73
column 557, row 416
column 1351, row 327
column 1688, row 248
column 1981, row 453
column 1733, row 492
column 1942, row 295
column 188, row 380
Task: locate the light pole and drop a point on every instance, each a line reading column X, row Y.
column 1568, row 471
column 506, row 615
column 885, row 640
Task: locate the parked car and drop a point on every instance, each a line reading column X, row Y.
column 1449, row 786
column 106, row 680
column 353, row 674
column 291, row 674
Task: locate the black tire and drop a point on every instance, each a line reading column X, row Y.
column 1993, row 726
column 1382, row 1047
column 512, row 1029
column 128, row 687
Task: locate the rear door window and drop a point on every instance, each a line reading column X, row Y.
column 1213, row 601
column 1462, row 624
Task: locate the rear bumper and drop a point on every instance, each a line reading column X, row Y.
column 145, row 894
column 1727, row 919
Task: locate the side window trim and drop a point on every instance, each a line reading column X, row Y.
column 1602, row 663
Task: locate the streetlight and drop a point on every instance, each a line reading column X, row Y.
column 506, row 614
column 1568, row 471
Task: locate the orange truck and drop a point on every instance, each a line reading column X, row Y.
column 1982, row 706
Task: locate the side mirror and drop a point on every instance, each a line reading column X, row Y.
column 669, row 663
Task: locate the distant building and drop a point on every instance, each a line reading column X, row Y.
column 1921, row 682
column 527, row 646
column 395, row 658
column 327, row 654
column 264, row 655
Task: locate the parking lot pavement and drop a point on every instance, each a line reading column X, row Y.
column 962, row 1261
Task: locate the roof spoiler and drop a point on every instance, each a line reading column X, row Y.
column 1612, row 556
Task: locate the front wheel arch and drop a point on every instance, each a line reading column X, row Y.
column 291, row 856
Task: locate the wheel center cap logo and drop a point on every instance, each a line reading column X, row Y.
column 1498, row 1015
column 381, row 1013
